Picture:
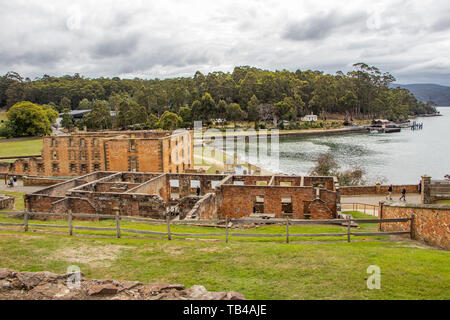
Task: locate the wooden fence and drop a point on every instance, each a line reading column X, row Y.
column 208, row 223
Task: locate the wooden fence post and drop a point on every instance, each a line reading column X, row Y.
column 413, row 216
column 118, row 222
column 226, row 230
column 348, row 228
column 70, row 223
column 364, row 209
column 169, row 237
column 25, row 222
column 287, row 229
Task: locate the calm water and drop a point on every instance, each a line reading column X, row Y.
column 398, row 158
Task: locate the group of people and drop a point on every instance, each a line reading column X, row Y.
column 417, row 126
column 11, row 182
column 403, row 197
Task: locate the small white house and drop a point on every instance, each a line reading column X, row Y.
column 310, row 118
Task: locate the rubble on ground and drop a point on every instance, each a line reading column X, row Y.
column 15, row 285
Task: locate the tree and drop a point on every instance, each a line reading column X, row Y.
column 253, row 114
column 100, row 116
column 65, row 103
column 28, row 119
column 170, row 121
column 67, row 120
column 222, row 109
column 84, row 104
column 208, row 107
column 186, row 115
column 152, row 121
column 327, row 166
column 234, row 112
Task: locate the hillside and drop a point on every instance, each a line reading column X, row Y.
column 429, row 92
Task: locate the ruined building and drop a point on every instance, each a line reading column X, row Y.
column 155, row 194
column 83, row 153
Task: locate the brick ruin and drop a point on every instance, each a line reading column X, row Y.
column 83, row 153
column 154, row 195
column 6, row 202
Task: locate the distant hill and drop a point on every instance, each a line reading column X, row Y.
column 428, row 92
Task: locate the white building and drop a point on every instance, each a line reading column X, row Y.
column 310, row 118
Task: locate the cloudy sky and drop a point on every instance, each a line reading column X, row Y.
column 161, row 39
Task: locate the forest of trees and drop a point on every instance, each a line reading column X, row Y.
column 247, row 93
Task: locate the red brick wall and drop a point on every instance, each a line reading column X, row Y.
column 431, row 222
column 361, row 190
column 320, row 211
column 238, row 201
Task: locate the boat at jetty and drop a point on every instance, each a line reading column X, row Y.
column 383, row 126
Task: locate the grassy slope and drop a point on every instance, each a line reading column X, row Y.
column 3, row 115
column 32, row 146
column 258, row 270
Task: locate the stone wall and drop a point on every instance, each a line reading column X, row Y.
column 377, row 189
column 431, row 222
column 6, row 203
column 204, row 209
column 40, row 181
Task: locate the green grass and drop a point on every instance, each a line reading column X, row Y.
column 444, row 201
column 25, row 147
column 258, row 270
column 3, row 116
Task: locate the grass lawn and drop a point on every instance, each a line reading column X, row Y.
column 25, row 147
column 445, row 201
column 258, row 270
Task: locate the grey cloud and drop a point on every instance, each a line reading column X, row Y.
column 113, row 47
column 442, row 24
column 320, row 26
column 32, row 57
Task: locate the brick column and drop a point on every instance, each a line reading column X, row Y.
column 426, row 190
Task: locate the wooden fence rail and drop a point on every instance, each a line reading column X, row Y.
column 342, row 222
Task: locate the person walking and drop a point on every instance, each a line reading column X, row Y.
column 198, row 191
column 15, row 181
column 420, row 187
column 389, row 196
column 403, row 195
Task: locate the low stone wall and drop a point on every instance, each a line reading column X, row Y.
column 431, row 222
column 40, row 181
column 377, row 189
column 6, row 203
